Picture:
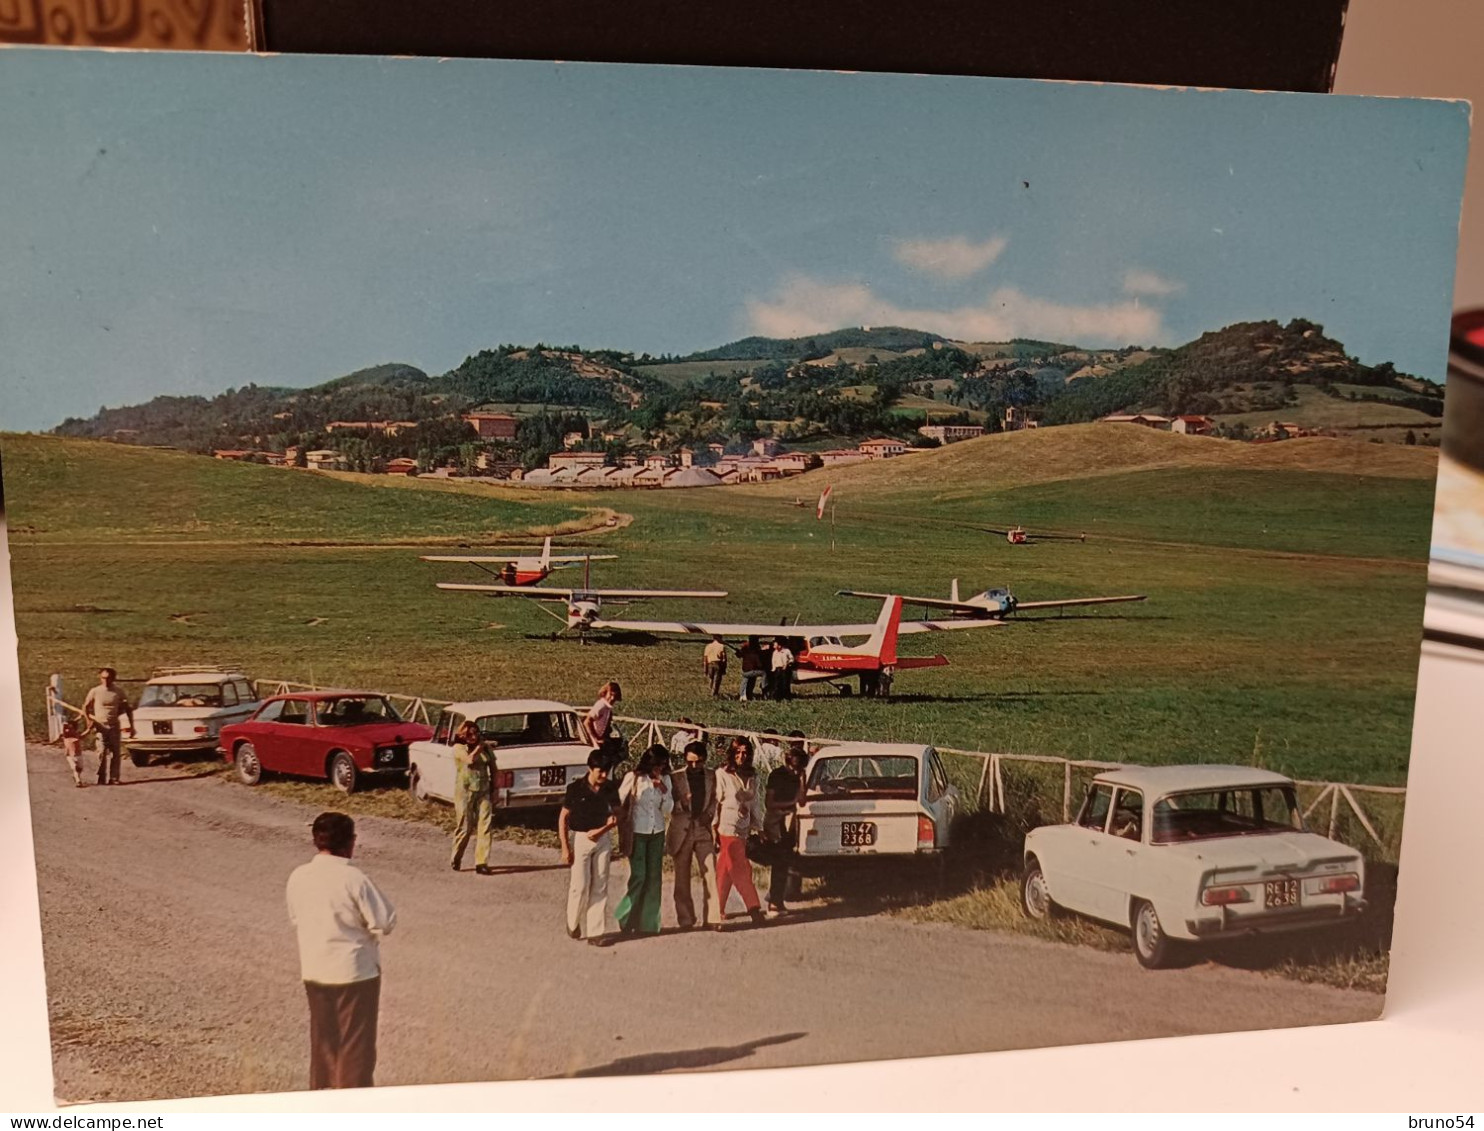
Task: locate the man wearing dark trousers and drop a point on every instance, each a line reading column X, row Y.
column 340, row 917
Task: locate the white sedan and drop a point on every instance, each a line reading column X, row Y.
column 873, row 798
column 538, row 750
column 1185, row 853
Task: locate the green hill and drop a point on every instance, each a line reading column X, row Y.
column 60, row 489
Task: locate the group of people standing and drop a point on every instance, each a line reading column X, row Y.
column 107, row 714
column 767, row 669
column 703, row 818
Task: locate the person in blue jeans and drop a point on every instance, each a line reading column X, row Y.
column 754, row 668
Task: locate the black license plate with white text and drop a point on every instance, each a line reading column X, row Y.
column 857, row 834
column 553, row 775
column 1280, row 893
column 163, row 727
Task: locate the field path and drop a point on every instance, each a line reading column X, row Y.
column 172, row 971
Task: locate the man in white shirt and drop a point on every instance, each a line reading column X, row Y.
column 782, row 671
column 340, row 916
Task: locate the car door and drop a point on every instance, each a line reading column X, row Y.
column 1121, row 856
column 1076, row 875
column 940, row 796
column 242, row 705
column 295, row 749
column 435, row 762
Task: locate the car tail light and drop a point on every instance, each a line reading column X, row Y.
column 927, row 832
column 1333, row 885
column 201, row 730
column 505, row 779
column 1220, row 897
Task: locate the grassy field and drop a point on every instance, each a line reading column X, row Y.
column 1316, row 409
column 1282, row 617
column 1285, row 587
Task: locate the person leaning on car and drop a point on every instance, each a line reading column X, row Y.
column 474, row 802
column 104, row 706
column 689, row 837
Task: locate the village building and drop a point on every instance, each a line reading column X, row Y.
column 559, row 460
column 231, row 453
column 951, row 433
column 573, row 440
column 325, row 459
column 492, row 425
column 882, row 448
column 1193, row 425
column 791, row 463
column 836, row 456
column 657, row 462
column 1146, row 419
column 767, row 447
column 401, row 466
column 1017, row 419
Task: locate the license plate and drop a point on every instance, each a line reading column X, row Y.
column 553, row 775
column 857, row 834
column 163, row 728
column 1280, row 893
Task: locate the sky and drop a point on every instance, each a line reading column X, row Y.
column 178, row 223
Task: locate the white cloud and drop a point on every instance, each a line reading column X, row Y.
column 802, row 306
column 955, row 258
column 1136, row 282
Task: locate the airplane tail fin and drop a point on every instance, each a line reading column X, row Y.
column 546, row 553
column 883, row 641
column 953, row 591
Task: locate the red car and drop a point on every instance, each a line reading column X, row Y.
column 339, row 735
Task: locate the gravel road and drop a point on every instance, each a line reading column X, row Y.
column 172, row 971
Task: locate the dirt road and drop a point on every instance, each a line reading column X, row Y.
column 172, row 971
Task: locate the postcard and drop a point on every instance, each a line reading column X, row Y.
column 533, row 571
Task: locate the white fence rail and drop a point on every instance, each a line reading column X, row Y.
column 1342, row 797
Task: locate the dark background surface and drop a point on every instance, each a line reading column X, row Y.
column 1263, row 44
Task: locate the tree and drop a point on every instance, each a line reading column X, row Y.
column 1411, row 438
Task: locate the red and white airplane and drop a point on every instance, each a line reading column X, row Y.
column 523, row 569
column 993, row 604
column 824, row 656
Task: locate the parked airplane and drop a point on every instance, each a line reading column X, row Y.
column 823, row 655
column 1019, row 536
column 992, row 603
column 522, row 570
column 583, row 605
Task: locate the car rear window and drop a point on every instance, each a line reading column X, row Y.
column 529, row 730
column 1210, row 814
column 181, row 695
column 864, row 777
column 355, row 711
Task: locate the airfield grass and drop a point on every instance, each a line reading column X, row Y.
column 1282, row 626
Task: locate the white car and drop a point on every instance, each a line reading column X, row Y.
column 1185, row 853
column 183, row 709
column 875, row 798
column 538, row 750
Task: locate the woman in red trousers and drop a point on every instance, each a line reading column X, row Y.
column 738, row 814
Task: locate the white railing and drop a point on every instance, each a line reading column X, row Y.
column 1341, row 796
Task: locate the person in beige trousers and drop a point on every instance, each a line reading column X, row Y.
column 689, row 840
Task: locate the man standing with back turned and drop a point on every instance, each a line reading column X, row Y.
column 340, row 916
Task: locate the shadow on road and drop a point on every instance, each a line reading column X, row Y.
column 157, row 781
column 520, row 869
column 710, row 1057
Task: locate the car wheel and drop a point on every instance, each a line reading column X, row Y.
column 417, row 787
column 1152, row 947
column 1035, row 896
column 343, row 772
column 139, row 757
column 249, row 769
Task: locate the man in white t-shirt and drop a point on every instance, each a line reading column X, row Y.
column 598, row 723
column 340, row 917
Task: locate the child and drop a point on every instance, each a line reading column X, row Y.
column 72, row 747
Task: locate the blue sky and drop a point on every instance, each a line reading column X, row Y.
column 175, row 223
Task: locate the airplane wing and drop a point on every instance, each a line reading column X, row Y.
column 926, row 602
column 713, row 628
column 1021, row 606
column 913, row 627
column 543, row 593
column 479, row 559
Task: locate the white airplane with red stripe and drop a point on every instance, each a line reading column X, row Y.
column 993, row 604
column 524, row 569
column 825, row 656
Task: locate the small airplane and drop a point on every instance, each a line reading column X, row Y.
column 825, row 657
column 992, row 604
column 1019, row 536
column 524, row 569
column 583, row 606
